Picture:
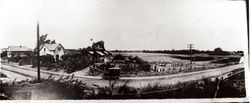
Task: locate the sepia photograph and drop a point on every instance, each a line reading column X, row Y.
column 124, row 50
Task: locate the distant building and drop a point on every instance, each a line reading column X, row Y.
column 18, row 51
column 100, row 56
column 242, row 60
column 56, row 50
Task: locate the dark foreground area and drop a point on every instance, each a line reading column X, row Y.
column 67, row 88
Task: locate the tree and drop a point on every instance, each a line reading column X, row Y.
column 4, row 54
column 119, row 57
column 98, row 46
column 43, row 40
column 218, row 50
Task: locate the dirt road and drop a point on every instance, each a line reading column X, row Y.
column 136, row 82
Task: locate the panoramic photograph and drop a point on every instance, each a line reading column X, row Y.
column 123, row 49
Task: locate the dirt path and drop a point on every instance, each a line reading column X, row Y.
column 15, row 76
column 136, row 82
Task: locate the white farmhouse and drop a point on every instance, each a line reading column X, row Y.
column 56, row 50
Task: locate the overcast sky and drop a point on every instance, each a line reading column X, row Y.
column 126, row 24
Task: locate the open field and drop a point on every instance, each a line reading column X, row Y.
column 166, row 64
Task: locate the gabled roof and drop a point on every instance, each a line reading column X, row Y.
column 100, row 53
column 18, row 48
column 52, row 46
column 4, row 49
column 91, row 52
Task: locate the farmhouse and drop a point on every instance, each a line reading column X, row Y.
column 56, row 50
column 18, row 51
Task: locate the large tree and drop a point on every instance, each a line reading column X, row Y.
column 98, row 45
column 43, row 40
column 218, row 50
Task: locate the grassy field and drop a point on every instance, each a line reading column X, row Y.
column 179, row 63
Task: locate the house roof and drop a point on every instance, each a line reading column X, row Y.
column 91, row 52
column 52, row 46
column 18, row 48
column 105, row 52
column 100, row 53
column 116, row 68
column 4, row 49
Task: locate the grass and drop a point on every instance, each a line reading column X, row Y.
column 69, row 88
column 46, row 89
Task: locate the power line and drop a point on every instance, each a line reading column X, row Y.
column 190, row 47
column 38, row 54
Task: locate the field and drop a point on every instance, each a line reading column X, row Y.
column 150, row 57
column 162, row 64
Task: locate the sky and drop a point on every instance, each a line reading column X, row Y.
column 126, row 24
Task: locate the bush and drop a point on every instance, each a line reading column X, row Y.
column 25, row 61
column 46, row 61
column 58, row 89
column 119, row 57
column 73, row 62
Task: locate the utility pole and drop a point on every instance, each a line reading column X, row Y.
column 190, row 47
column 38, row 54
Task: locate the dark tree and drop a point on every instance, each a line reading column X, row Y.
column 119, row 57
column 44, row 40
column 98, row 46
column 218, row 50
column 4, row 54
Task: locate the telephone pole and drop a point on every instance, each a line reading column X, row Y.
column 38, row 54
column 190, row 47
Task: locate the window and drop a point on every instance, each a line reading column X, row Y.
column 59, row 48
column 44, row 49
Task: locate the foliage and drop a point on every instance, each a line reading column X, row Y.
column 70, row 88
column 217, row 51
column 4, row 54
column 14, row 59
column 62, row 88
column 74, row 62
column 25, row 61
column 132, row 64
column 195, row 58
column 98, row 46
column 43, row 40
column 45, row 60
column 230, row 60
column 119, row 57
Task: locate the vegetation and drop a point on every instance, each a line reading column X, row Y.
column 230, row 60
column 74, row 62
column 195, row 58
column 216, row 51
column 43, row 40
column 4, row 54
column 47, row 89
column 69, row 88
column 98, row 46
column 131, row 64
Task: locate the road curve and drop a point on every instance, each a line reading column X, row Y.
column 136, row 82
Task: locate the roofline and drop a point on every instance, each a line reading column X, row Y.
column 51, row 50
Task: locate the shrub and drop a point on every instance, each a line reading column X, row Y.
column 119, row 57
